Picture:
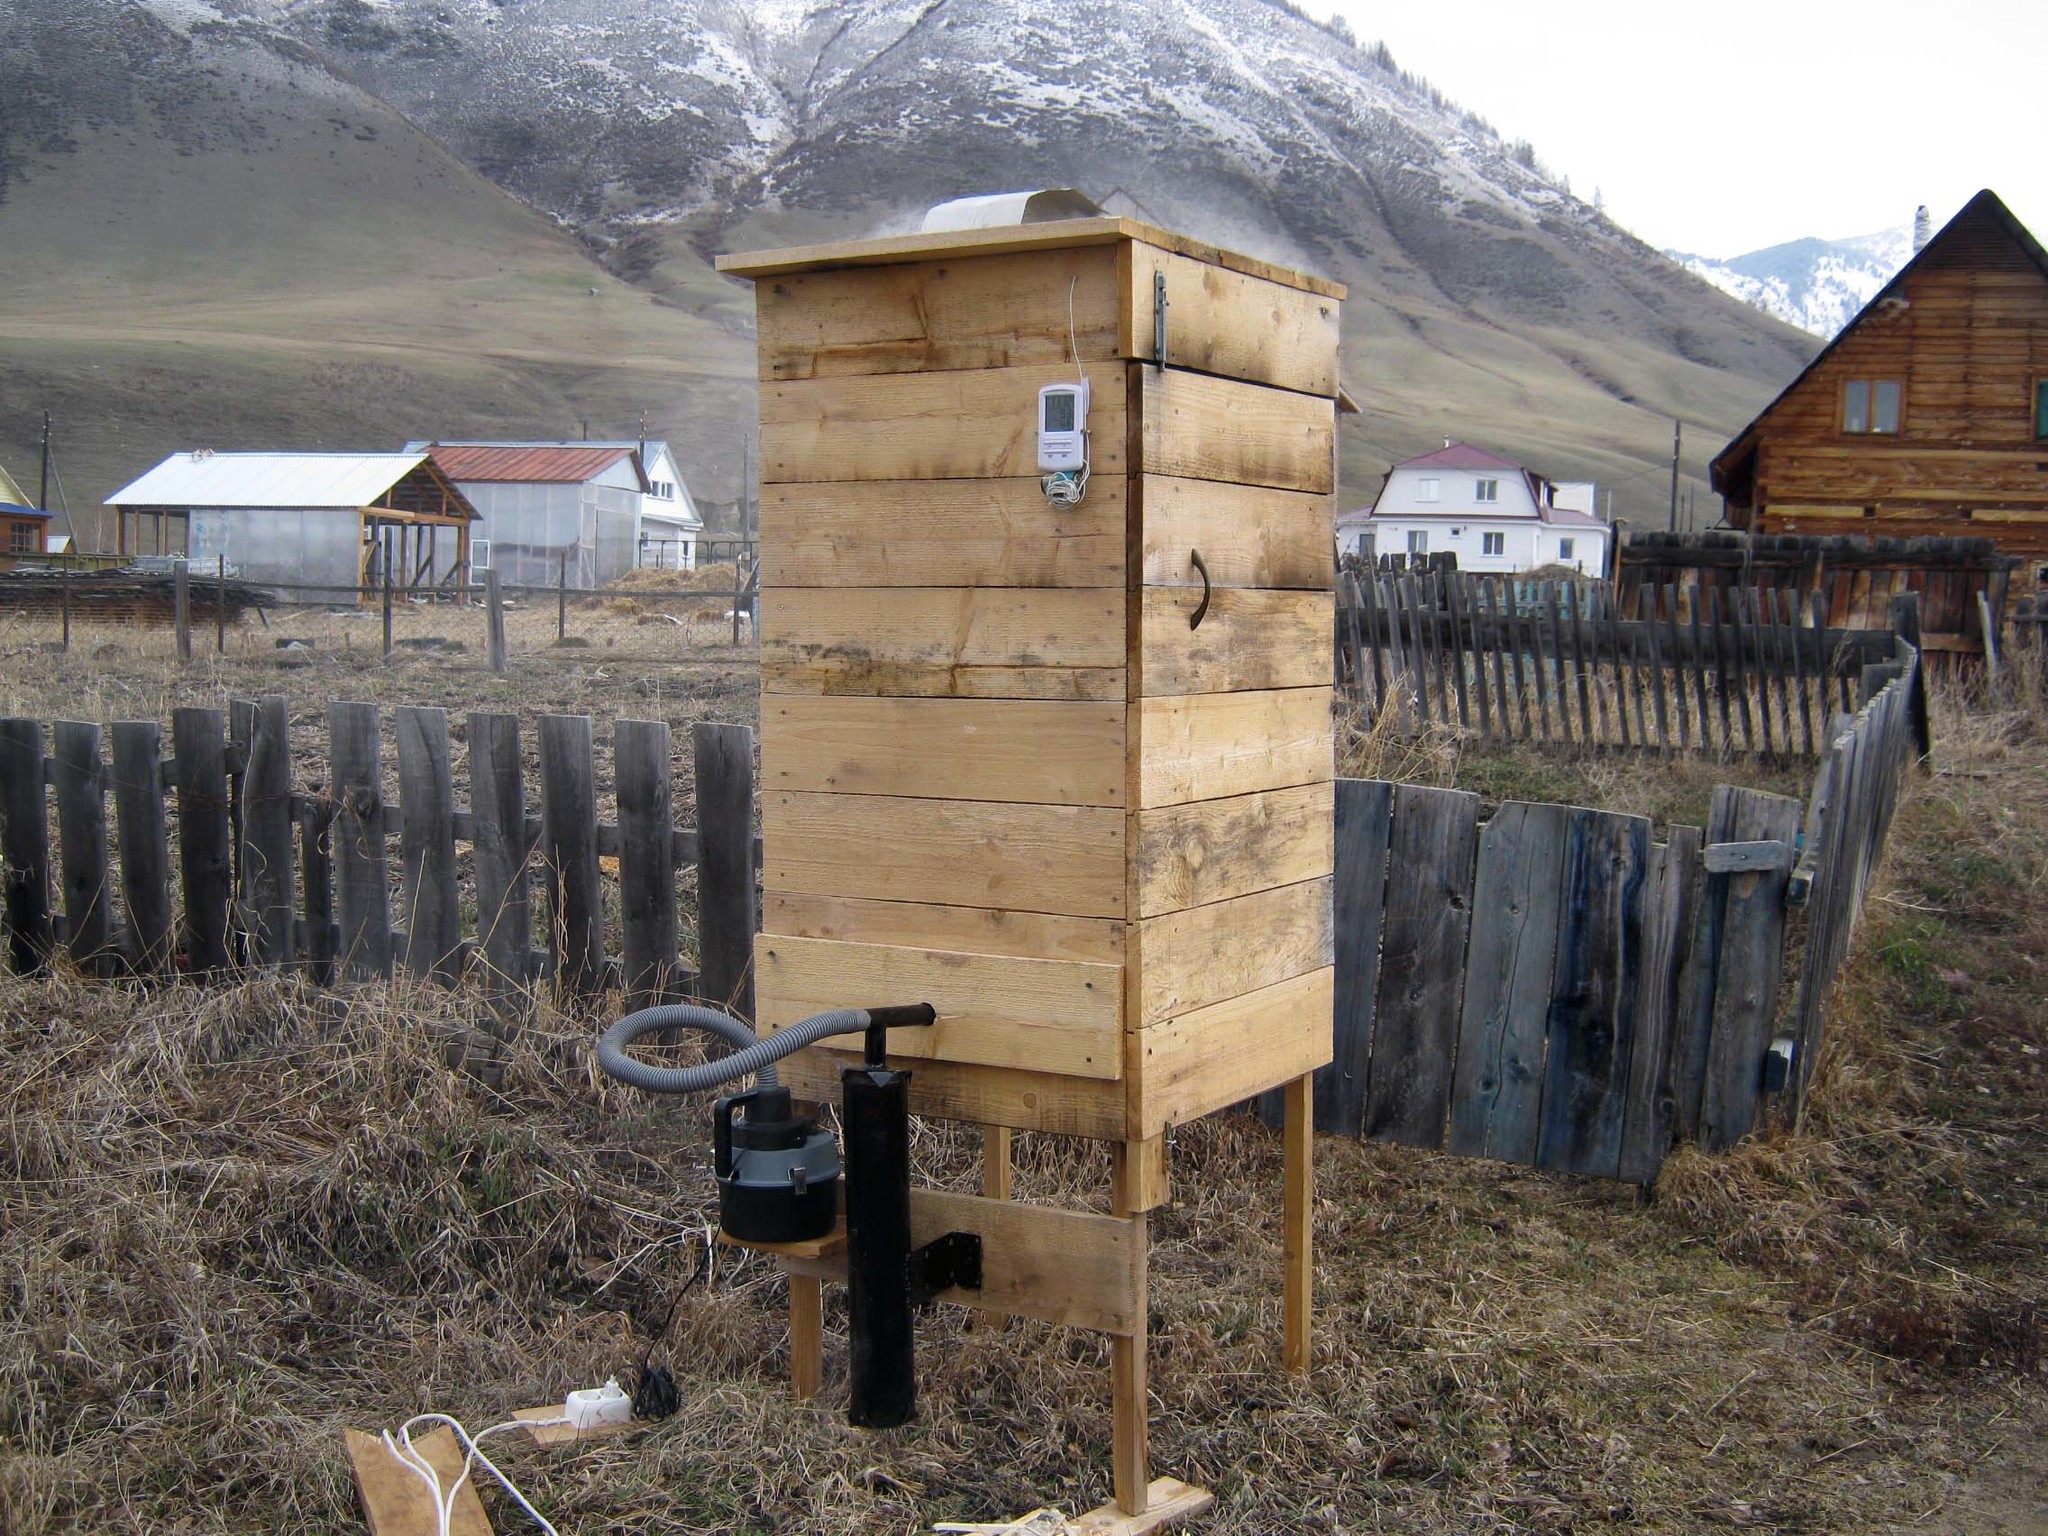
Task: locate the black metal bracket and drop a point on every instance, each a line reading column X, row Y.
column 952, row 1262
column 1159, row 318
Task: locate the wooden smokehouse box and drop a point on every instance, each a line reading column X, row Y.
column 1001, row 771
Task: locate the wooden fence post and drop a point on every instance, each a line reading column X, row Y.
column 426, row 844
column 647, row 865
column 80, row 779
column 316, row 874
column 144, row 832
column 1906, row 625
column 568, row 808
column 504, row 855
column 220, row 610
column 494, row 620
column 205, row 851
column 726, row 913
column 357, row 774
column 181, row 606
column 25, row 844
column 267, row 835
column 562, row 600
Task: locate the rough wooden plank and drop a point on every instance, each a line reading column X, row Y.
column 358, row 839
column 1734, row 857
column 945, row 533
column 568, row 791
column 1422, row 967
column 1469, row 604
column 397, row 1501
column 1167, row 1501
column 1454, row 614
column 205, row 859
column 316, row 877
column 1649, row 1120
column 268, row 836
column 652, row 962
column 1595, row 981
column 1586, row 674
column 1497, row 1095
column 1063, row 1016
column 1074, row 1268
column 494, row 621
column 1030, row 751
column 1248, row 639
column 1364, row 826
column 1657, row 683
column 143, row 830
column 1249, row 535
column 1211, row 850
column 504, row 847
column 1229, row 323
column 1750, row 962
column 1298, row 1177
column 962, row 642
column 1033, row 858
column 997, row 311
column 1195, row 427
column 977, row 930
column 964, row 424
column 426, row 787
column 1794, row 621
column 1202, row 955
column 1090, row 1107
column 1207, row 746
column 1197, row 1063
column 1674, row 648
column 78, row 773
column 726, row 880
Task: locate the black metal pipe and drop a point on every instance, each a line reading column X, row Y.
column 876, row 1114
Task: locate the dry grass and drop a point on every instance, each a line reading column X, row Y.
column 232, row 1222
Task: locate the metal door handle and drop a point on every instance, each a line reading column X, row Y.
column 1201, row 608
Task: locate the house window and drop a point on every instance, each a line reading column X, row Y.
column 1493, row 543
column 21, row 538
column 1418, row 541
column 1429, row 488
column 1564, row 548
column 1871, row 406
column 1486, row 490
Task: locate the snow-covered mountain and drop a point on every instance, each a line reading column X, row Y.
column 1817, row 285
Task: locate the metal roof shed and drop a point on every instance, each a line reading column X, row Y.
column 319, row 519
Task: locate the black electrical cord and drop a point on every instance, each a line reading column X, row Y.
column 655, row 1393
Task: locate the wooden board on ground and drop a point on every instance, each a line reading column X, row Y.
column 543, row 1433
column 395, row 1499
column 1167, row 1499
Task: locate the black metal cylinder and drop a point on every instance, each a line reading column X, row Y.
column 876, row 1114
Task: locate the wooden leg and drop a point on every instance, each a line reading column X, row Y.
column 1298, row 1142
column 995, row 1185
column 806, row 1336
column 1130, row 1390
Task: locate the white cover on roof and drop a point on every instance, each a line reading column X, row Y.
column 206, row 479
column 995, row 208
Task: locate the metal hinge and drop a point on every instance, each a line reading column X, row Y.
column 1159, row 318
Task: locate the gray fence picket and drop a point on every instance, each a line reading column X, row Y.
column 206, row 859
column 142, row 832
column 568, row 803
column 79, row 775
column 647, row 867
column 426, row 844
column 355, row 757
column 1364, row 827
column 504, row 850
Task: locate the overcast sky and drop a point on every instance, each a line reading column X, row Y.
column 1722, row 128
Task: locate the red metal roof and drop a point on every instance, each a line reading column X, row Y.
column 524, row 466
column 1458, row 456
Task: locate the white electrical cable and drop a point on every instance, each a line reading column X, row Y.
column 420, row 1467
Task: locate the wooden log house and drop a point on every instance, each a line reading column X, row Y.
column 1926, row 416
column 1064, row 772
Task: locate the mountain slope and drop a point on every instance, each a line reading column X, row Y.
column 1817, row 285
column 1487, row 301
column 209, row 238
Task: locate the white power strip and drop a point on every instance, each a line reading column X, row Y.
column 594, row 1406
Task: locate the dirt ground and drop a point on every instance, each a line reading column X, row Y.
column 233, row 1222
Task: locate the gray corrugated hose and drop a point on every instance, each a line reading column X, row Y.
column 753, row 1054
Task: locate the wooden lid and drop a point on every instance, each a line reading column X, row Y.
column 1058, row 234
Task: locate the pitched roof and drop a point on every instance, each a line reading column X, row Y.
column 1458, row 456
column 1986, row 205
column 1571, row 517
column 16, row 510
column 11, row 493
column 204, row 478
column 530, row 463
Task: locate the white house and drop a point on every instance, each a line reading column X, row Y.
column 601, row 507
column 1490, row 512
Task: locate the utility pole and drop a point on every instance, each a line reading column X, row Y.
column 43, row 496
column 1677, row 437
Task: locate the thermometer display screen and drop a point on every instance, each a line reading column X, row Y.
column 1059, row 412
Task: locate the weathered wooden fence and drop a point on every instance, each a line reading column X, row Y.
column 1554, row 987
column 1553, row 662
column 274, row 866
